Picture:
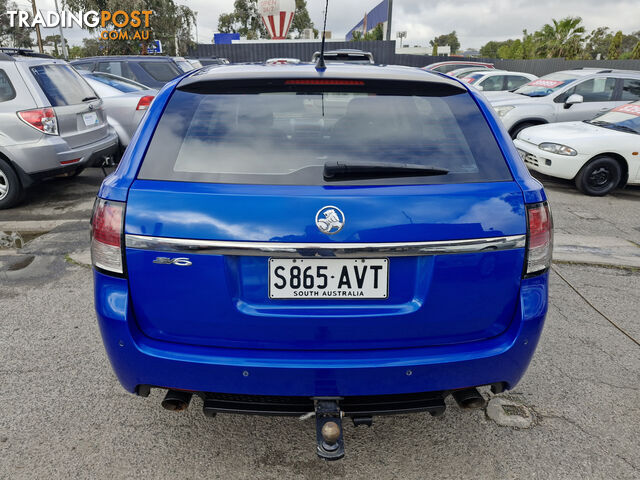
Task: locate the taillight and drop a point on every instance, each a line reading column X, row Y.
column 539, row 238
column 144, row 102
column 43, row 119
column 106, row 235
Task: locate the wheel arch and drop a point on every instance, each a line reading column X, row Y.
column 532, row 121
column 23, row 178
column 624, row 165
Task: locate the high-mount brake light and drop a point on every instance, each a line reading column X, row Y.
column 539, row 238
column 144, row 102
column 43, row 119
column 106, row 236
column 324, row 82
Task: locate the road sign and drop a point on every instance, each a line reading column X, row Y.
column 155, row 47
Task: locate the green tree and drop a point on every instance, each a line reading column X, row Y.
column 52, row 40
column 615, row 48
column 376, row 34
column 170, row 23
column 449, row 39
column 13, row 36
column 301, row 20
column 562, row 38
column 598, row 42
column 434, row 52
column 490, row 49
column 76, row 51
column 245, row 20
column 635, row 53
column 529, row 45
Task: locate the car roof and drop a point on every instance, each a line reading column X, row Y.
column 35, row 60
column 462, row 62
column 308, row 71
column 491, row 71
column 152, row 58
column 583, row 72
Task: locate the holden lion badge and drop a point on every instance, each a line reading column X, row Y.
column 330, row 220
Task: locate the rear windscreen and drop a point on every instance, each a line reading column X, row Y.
column 161, row 71
column 286, row 137
column 62, row 84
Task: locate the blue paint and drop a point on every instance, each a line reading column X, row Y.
column 454, row 320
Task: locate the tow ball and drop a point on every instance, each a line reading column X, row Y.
column 330, row 442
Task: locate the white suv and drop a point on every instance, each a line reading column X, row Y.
column 565, row 96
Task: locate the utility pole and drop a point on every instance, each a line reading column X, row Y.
column 197, row 37
column 65, row 52
column 35, row 12
column 389, row 12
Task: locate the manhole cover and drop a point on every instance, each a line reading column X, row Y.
column 508, row 413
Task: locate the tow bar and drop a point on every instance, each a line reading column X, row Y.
column 330, row 443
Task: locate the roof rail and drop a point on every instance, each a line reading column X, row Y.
column 23, row 52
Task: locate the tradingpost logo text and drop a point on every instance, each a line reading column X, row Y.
column 110, row 22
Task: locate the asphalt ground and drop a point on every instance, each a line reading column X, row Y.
column 64, row 415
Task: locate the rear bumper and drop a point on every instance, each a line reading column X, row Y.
column 139, row 360
column 51, row 156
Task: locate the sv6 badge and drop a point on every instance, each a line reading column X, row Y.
column 180, row 262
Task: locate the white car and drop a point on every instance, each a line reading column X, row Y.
column 565, row 96
column 497, row 80
column 599, row 154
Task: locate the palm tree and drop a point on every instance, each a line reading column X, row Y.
column 562, row 39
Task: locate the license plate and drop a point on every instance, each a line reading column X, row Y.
column 319, row 279
column 90, row 118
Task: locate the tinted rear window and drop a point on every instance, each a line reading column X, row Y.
column 286, row 135
column 62, row 84
column 161, row 71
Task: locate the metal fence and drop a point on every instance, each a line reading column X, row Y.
column 384, row 52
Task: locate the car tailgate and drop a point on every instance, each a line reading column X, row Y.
column 82, row 124
column 222, row 298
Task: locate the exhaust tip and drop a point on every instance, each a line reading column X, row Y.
column 176, row 401
column 468, row 398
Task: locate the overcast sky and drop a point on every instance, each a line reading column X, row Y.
column 476, row 21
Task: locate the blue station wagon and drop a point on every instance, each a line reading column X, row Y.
column 349, row 241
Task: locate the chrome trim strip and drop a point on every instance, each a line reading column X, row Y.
column 341, row 250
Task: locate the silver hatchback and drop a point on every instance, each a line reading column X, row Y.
column 51, row 122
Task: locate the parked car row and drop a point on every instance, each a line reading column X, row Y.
column 52, row 122
column 581, row 125
column 59, row 118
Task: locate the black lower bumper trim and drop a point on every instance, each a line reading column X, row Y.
column 355, row 406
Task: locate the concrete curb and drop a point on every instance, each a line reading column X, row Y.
column 604, row 251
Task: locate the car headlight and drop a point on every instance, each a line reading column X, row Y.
column 557, row 149
column 503, row 110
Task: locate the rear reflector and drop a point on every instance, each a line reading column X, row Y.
column 69, row 162
column 43, row 119
column 539, row 238
column 144, row 102
column 324, row 82
column 106, row 235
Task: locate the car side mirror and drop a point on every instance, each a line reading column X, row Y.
column 479, row 87
column 573, row 99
